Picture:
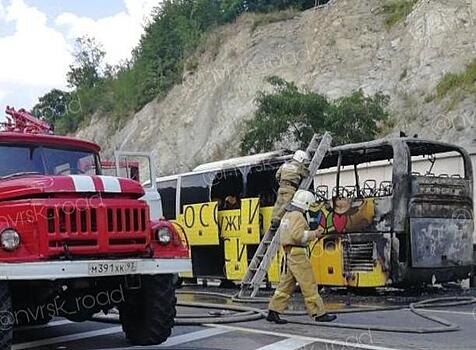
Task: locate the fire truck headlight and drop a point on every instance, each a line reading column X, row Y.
column 163, row 236
column 10, row 239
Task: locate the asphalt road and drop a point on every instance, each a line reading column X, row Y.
column 61, row 334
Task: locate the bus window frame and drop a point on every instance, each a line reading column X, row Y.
column 176, row 180
column 181, row 188
column 468, row 170
column 261, row 167
column 236, row 171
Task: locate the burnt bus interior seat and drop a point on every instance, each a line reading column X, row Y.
column 351, row 192
column 370, row 188
column 322, row 192
column 385, row 189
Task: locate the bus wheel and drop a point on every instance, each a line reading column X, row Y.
column 6, row 316
column 147, row 314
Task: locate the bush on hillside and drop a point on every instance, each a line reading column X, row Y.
column 288, row 114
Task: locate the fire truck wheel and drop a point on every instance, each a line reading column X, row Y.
column 147, row 314
column 6, row 316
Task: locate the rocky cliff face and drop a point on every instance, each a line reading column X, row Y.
column 333, row 50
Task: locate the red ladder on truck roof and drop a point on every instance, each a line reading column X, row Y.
column 24, row 122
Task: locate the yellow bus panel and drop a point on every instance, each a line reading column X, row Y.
column 274, row 270
column 200, row 223
column 265, row 219
column 229, row 223
column 326, row 260
column 236, row 257
column 376, row 278
column 181, row 231
column 250, row 219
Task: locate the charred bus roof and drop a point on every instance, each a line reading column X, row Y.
column 378, row 150
column 355, row 153
column 243, row 161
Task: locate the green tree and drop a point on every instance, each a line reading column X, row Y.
column 357, row 118
column 231, row 9
column 86, row 70
column 53, row 105
column 288, row 114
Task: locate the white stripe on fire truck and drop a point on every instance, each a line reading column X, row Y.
column 111, row 184
column 83, row 183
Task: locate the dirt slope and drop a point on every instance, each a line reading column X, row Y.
column 332, row 50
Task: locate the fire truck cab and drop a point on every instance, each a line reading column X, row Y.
column 74, row 242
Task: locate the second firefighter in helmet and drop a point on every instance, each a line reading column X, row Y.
column 295, row 235
column 289, row 176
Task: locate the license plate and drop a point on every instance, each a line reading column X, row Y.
column 112, row 268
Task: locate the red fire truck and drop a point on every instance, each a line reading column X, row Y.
column 74, row 242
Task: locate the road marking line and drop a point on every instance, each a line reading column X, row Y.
column 185, row 338
column 179, row 339
column 287, row 344
column 67, row 338
column 451, row 312
column 295, row 336
column 50, row 324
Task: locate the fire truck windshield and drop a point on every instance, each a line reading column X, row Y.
column 21, row 160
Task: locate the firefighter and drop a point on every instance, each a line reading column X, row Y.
column 289, row 176
column 294, row 237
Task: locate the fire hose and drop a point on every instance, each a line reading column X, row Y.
column 231, row 313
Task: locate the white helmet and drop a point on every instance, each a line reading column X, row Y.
column 300, row 156
column 303, row 199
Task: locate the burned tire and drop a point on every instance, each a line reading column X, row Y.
column 6, row 317
column 147, row 314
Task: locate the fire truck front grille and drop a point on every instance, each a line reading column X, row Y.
column 359, row 257
column 72, row 220
column 102, row 228
column 126, row 220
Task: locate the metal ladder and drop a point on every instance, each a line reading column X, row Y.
column 269, row 245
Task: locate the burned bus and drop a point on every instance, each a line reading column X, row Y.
column 395, row 212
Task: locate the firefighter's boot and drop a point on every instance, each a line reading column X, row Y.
column 325, row 318
column 273, row 316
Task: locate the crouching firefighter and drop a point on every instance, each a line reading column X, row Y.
column 294, row 236
column 289, row 177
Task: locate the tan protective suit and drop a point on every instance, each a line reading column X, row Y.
column 294, row 236
column 289, row 176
